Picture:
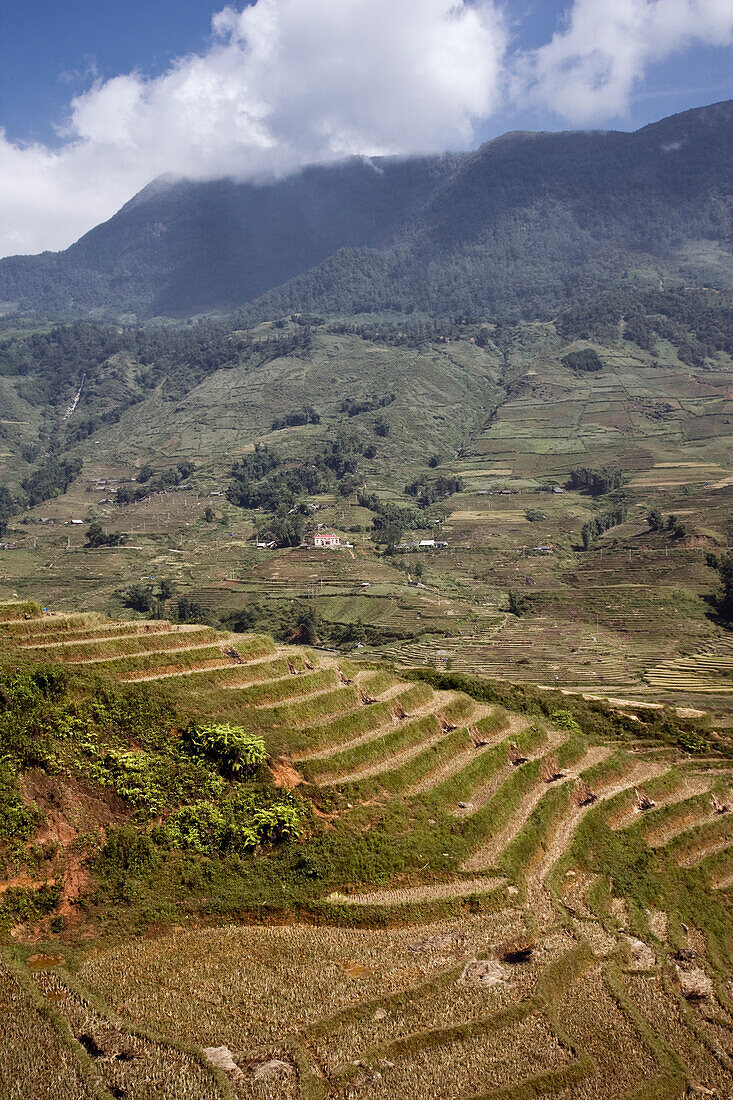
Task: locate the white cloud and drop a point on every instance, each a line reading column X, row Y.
column 590, row 69
column 284, row 83
column 291, row 82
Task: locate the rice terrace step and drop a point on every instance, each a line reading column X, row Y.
column 518, row 819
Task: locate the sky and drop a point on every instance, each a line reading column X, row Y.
column 99, row 97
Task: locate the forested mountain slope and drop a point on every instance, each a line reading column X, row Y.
column 521, row 227
column 180, row 248
column 532, row 222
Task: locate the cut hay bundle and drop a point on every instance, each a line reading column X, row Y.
column 642, row 801
column 232, row 653
column 515, row 755
column 477, row 737
column 584, row 794
column 550, row 770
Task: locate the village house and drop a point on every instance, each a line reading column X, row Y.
column 329, row 542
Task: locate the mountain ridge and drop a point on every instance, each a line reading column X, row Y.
column 518, row 227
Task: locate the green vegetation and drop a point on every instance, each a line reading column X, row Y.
column 586, row 360
column 597, row 482
column 439, row 808
column 505, row 869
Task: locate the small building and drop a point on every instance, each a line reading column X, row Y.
column 427, row 544
column 557, row 489
column 327, row 542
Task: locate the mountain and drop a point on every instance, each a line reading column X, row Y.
column 180, row 248
column 522, row 227
column 531, row 222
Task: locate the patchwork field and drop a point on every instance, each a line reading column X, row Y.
column 498, row 411
column 489, row 901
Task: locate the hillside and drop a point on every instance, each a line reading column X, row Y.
column 389, row 434
column 504, row 891
column 180, row 248
column 520, row 228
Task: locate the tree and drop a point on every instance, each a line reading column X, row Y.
column 518, row 604
column 308, row 622
column 7, row 508
column 725, row 602
column 209, row 514
column 97, row 537
column 597, row 481
column 655, row 520
column 585, row 360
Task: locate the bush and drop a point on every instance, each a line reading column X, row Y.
column 234, row 751
column 233, row 825
column 97, row 536
column 565, row 721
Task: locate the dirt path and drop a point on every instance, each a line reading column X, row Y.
column 691, row 787
column 461, row 759
column 409, row 894
column 431, row 707
column 538, row 896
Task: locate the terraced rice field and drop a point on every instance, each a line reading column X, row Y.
column 703, row 672
column 573, row 943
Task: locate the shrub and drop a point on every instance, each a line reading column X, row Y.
column 234, row 751
column 565, row 721
column 233, row 825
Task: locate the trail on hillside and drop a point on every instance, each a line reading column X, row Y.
column 539, row 900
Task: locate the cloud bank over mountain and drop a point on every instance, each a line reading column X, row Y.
column 284, row 83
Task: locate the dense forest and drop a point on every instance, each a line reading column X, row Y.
column 523, row 227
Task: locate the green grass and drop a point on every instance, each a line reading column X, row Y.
column 407, row 733
column 300, row 713
column 289, row 687
column 460, row 787
column 397, row 779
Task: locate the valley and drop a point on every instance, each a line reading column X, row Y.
column 366, row 631
column 504, row 421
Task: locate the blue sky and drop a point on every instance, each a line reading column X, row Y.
column 50, row 48
column 99, row 97
column 39, row 71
